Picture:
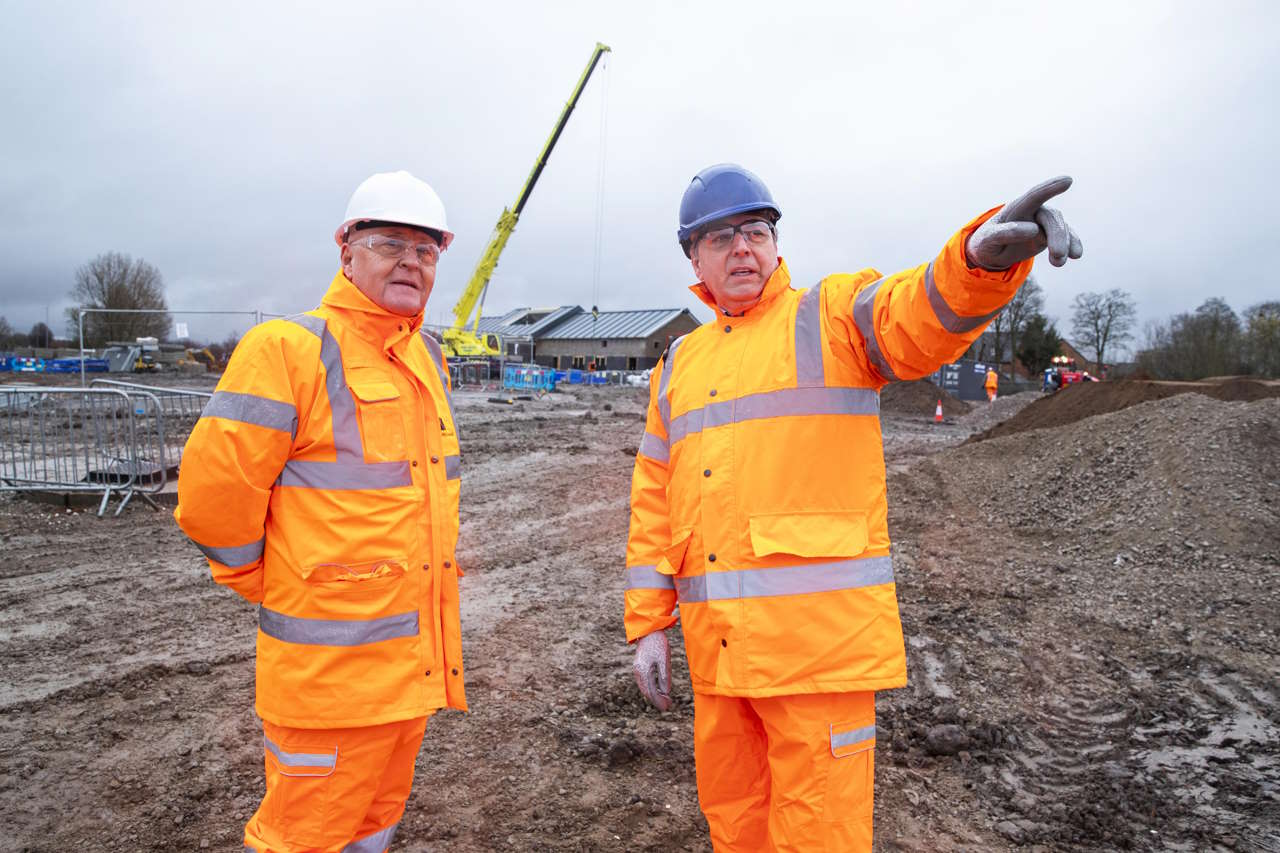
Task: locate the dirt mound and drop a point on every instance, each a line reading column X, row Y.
column 919, row 398
column 1204, row 469
column 1085, row 400
column 986, row 415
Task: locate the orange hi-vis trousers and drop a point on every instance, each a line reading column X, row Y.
column 786, row 773
column 334, row 789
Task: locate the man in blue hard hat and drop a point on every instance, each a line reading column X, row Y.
column 758, row 502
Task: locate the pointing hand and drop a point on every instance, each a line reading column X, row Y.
column 1022, row 229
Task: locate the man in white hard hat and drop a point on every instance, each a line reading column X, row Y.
column 321, row 483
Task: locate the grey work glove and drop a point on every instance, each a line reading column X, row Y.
column 1023, row 229
column 653, row 669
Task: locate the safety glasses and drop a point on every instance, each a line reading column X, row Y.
column 757, row 232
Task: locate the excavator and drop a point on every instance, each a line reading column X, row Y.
column 459, row 340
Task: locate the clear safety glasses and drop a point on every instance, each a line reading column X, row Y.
column 757, row 232
column 394, row 247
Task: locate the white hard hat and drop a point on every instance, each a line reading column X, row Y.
column 396, row 197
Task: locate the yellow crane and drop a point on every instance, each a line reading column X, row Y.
column 459, row 340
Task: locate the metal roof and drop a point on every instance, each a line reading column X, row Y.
column 614, row 324
column 509, row 325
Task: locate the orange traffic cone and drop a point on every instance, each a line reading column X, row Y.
column 937, row 413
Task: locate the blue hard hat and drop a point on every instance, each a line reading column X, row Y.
column 719, row 191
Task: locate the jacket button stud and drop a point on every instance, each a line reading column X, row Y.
column 711, row 558
column 415, row 463
column 706, row 473
column 728, row 329
column 448, row 565
column 713, row 392
column 455, row 670
column 435, row 459
column 724, row 644
column 428, row 672
column 426, row 567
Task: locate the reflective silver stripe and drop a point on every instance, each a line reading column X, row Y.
column 375, row 843
column 437, row 358
column 654, row 448
column 236, row 556
column 809, row 338
column 336, row 632
column 783, row 403
column 950, row 320
column 840, row 739
column 346, row 429
column 305, row 474
column 314, row 325
column 864, row 317
column 452, row 467
column 301, row 759
column 252, row 409
column 664, row 403
column 648, row 577
column 786, row 580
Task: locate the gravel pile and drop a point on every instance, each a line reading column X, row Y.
column 919, row 398
column 986, row 415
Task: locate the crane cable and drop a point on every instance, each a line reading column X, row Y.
column 599, row 247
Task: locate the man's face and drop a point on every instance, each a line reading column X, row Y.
column 736, row 271
column 399, row 284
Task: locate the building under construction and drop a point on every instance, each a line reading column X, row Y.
column 571, row 337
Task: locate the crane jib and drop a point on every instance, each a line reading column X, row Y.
column 458, row 339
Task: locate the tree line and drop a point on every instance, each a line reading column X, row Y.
column 1210, row 341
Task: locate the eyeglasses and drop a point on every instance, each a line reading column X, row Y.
column 394, row 247
column 757, row 232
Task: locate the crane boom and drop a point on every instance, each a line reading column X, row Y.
column 458, row 339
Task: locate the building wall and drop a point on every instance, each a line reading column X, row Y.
column 612, row 353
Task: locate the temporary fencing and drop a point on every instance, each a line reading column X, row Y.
column 528, row 377
column 114, row 437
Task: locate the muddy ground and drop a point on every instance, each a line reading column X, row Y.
column 1090, row 615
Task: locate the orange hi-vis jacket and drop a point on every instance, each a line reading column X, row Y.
column 992, row 381
column 322, row 481
column 758, row 496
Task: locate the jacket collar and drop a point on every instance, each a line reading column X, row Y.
column 777, row 283
column 366, row 317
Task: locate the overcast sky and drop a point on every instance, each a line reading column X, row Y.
column 221, row 141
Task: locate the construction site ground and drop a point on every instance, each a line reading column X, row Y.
column 1090, row 611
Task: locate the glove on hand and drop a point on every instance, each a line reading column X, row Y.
column 1022, row 229
column 653, row 669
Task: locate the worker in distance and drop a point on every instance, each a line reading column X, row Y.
column 321, row 483
column 758, row 501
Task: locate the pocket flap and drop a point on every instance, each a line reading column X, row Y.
column 809, row 534
column 373, row 390
column 673, row 555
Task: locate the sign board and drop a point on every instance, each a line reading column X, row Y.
column 180, row 330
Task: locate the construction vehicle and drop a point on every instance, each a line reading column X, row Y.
column 458, row 339
column 1063, row 372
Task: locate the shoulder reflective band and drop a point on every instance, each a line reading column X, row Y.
column 809, row 339
column 864, row 317
column 783, row 403
column 346, row 430
column 375, row 843
column 252, row 409
column 852, row 741
column 314, row 325
column 345, row 476
column 664, row 402
column 336, row 632
column 654, row 448
column 437, row 358
column 648, row 577
column 300, row 761
column 452, row 467
column 785, row 580
column 234, row 557
column 950, row 320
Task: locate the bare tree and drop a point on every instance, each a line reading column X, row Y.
column 113, row 280
column 1027, row 302
column 6, row 333
column 1262, row 338
column 40, row 336
column 1102, row 321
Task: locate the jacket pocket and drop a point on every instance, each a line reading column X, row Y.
column 835, row 533
column 363, row 588
column 381, row 419
column 673, row 555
